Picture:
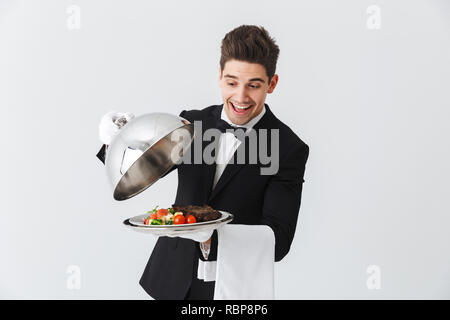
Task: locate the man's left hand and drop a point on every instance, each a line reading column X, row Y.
column 199, row 236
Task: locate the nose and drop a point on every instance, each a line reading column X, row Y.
column 241, row 95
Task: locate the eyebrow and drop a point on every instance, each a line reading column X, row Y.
column 252, row 79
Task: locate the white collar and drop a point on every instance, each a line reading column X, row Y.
column 247, row 125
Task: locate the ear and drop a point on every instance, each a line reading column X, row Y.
column 220, row 73
column 273, row 83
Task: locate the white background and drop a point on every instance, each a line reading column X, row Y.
column 373, row 105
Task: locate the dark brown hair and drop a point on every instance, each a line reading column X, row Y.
column 251, row 44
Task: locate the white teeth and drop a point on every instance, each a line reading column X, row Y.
column 240, row 107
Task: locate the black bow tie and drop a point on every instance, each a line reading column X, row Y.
column 223, row 126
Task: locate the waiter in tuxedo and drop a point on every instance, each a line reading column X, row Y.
column 246, row 76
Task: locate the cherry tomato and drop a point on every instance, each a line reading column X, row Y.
column 179, row 219
column 161, row 213
column 191, row 219
column 153, row 216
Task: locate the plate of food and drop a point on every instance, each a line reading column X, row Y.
column 175, row 219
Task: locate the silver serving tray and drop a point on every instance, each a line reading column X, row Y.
column 136, row 224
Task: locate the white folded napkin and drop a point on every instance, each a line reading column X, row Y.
column 207, row 270
column 244, row 269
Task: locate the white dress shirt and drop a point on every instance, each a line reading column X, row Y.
column 228, row 144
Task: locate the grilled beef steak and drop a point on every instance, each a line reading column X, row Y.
column 201, row 213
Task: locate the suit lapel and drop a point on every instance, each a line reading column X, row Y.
column 233, row 168
column 209, row 170
column 230, row 170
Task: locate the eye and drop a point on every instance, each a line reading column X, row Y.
column 254, row 86
column 230, row 84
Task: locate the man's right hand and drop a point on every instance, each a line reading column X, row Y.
column 110, row 124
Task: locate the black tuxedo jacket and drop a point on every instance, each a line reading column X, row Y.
column 252, row 198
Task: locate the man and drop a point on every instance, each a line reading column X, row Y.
column 246, row 76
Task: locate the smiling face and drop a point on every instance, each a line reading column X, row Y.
column 244, row 87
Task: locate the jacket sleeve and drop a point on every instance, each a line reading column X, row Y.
column 101, row 153
column 281, row 205
column 212, row 256
column 282, row 199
